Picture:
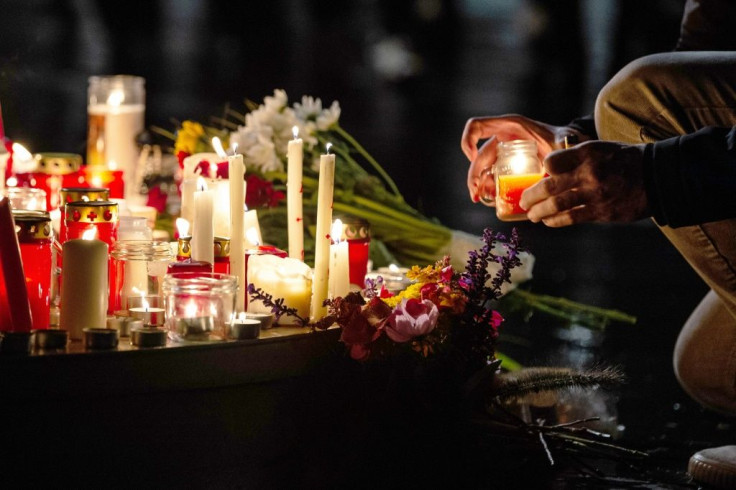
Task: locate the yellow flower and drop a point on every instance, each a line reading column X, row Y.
column 412, row 291
column 188, row 136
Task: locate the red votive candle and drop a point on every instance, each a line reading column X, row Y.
column 99, row 176
column 222, row 255
column 35, row 237
column 189, row 265
column 357, row 233
column 54, row 171
column 74, row 194
column 12, row 276
column 101, row 216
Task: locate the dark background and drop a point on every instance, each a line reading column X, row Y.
column 408, row 74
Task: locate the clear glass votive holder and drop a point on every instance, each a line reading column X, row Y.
column 137, row 271
column 199, row 307
column 26, row 198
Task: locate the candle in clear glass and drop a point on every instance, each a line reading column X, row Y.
column 26, row 198
column 516, row 168
column 116, row 114
column 199, row 306
column 138, row 268
column 35, row 238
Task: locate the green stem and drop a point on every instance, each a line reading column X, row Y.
column 565, row 308
column 370, row 159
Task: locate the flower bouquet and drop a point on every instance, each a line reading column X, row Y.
column 400, row 234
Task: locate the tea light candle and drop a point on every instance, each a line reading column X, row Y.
column 295, row 156
column 150, row 315
column 194, row 326
column 339, row 273
column 243, row 328
column 84, row 285
column 325, row 193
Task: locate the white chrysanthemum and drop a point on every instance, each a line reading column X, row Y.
column 328, row 117
column 308, row 109
column 255, row 142
column 277, row 102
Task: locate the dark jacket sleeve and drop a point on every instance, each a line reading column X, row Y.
column 708, row 25
column 691, row 179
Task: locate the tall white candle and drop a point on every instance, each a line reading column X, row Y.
column 339, row 274
column 203, row 229
column 188, row 188
column 84, row 286
column 221, row 205
column 295, row 156
column 325, row 191
column 236, row 172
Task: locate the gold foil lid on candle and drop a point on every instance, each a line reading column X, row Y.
column 92, row 212
column 58, row 163
column 354, row 228
column 32, row 225
column 72, row 194
column 222, row 247
column 184, row 246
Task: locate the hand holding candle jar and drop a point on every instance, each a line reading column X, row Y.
column 516, row 168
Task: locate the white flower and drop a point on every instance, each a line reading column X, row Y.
column 277, row 102
column 310, row 110
column 328, row 117
column 255, row 142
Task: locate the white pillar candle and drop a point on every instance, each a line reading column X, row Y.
column 221, row 210
column 188, row 188
column 325, row 191
column 281, row 277
column 252, row 229
column 203, row 229
column 236, row 172
column 191, row 163
column 84, row 286
column 339, row 274
column 295, row 157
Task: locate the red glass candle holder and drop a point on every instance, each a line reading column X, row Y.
column 101, row 216
column 35, row 238
column 357, row 233
column 189, row 266
column 99, row 176
column 222, row 255
column 74, row 194
column 54, row 171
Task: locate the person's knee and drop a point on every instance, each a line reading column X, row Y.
column 710, row 385
column 629, row 98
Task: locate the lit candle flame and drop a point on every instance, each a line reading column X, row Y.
column 190, row 310
column 21, row 153
column 252, row 236
column 182, row 227
column 327, row 148
column 241, row 316
column 116, row 97
column 336, row 231
column 393, row 268
column 201, row 184
column 90, row 234
column 12, row 182
column 217, row 145
column 213, row 170
column 295, row 131
column 144, row 302
column 234, row 146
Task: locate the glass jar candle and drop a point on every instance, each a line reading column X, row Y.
column 517, row 168
column 199, row 307
column 35, row 237
column 101, row 216
column 358, row 235
column 54, row 171
column 222, row 255
column 137, row 271
column 26, row 198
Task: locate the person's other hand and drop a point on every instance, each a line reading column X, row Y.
column 504, row 128
column 595, row 181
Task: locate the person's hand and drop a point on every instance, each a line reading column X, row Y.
column 595, row 181
column 504, row 128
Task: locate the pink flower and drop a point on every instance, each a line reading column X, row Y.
column 412, row 318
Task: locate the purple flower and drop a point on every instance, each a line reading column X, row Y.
column 412, row 318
